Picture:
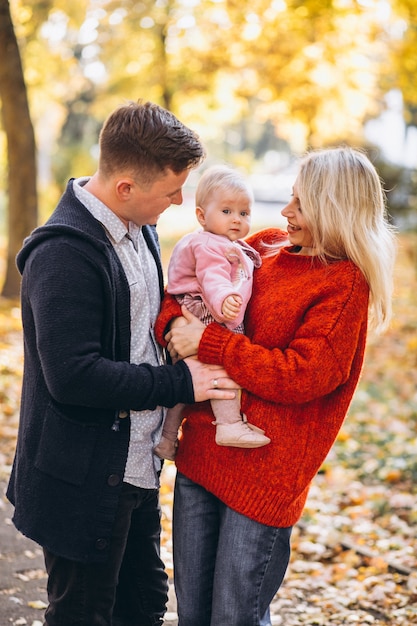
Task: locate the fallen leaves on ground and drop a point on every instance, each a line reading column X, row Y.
column 354, row 557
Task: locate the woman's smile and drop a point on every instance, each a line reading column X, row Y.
column 298, row 231
column 293, row 227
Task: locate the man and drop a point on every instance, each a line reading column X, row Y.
column 85, row 481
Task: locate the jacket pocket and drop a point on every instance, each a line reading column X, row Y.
column 66, row 447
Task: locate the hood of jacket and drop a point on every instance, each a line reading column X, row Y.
column 71, row 219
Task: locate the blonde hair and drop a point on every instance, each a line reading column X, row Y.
column 343, row 204
column 220, row 177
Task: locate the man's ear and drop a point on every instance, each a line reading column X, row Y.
column 199, row 212
column 123, row 188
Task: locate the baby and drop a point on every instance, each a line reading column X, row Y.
column 211, row 274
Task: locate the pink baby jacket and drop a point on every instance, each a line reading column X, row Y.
column 213, row 267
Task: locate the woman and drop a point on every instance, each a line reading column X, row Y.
column 298, row 366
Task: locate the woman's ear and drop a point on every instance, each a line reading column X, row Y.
column 199, row 212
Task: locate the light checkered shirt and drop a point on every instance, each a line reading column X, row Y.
column 141, row 272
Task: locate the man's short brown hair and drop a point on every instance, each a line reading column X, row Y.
column 145, row 140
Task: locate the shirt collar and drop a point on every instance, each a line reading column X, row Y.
column 101, row 212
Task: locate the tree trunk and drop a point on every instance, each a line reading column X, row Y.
column 21, row 150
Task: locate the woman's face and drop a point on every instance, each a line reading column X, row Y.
column 298, row 233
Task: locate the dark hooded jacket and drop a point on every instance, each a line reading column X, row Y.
column 70, row 458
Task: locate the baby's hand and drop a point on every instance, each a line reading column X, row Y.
column 231, row 307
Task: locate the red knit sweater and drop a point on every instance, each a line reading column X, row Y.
column 298, row 364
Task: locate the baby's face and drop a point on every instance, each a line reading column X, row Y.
column 227, row 213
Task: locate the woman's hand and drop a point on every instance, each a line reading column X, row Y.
column 184, row 336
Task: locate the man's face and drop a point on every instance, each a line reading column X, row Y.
column 145, row 205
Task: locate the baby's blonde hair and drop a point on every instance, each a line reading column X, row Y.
column 221, row 177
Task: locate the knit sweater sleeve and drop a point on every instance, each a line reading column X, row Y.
column 67, row 296
column 317, row 357
column 169, row 310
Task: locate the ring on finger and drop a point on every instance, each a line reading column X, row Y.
column 215, row 383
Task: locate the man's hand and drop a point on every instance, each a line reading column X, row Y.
column 210, row 382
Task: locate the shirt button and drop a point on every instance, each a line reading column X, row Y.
column 113, row 480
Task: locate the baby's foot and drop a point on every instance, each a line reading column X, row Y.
column 239, row 435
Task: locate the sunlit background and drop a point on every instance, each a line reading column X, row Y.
column 261, row 81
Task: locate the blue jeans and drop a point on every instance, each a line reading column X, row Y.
column 227, row 568
column 130, row 588
column 266, row 620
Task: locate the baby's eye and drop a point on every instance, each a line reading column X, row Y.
column 226, row 211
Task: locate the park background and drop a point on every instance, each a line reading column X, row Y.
column 261, row 81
